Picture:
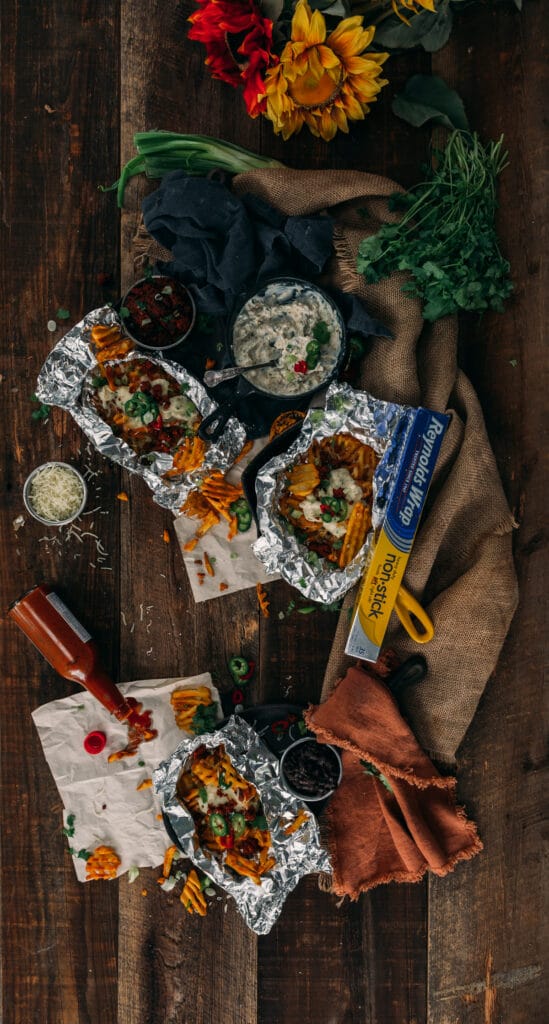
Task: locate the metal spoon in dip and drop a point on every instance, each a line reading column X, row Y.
column 213, row 377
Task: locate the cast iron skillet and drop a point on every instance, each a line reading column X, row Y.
column 212, row 426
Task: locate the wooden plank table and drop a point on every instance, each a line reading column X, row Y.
column 78, row 79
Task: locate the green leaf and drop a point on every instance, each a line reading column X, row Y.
column 370, row 769
column 428, row 29
column 68, row 831
column 428, row 98
column 331, row 8
column 124, row 312
column 62, row 314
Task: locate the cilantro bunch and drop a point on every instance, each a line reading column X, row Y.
column 446, row 238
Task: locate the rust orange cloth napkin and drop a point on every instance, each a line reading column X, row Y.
column 394, row 816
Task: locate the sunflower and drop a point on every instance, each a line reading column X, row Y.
column 238, row 42
column 322, row 81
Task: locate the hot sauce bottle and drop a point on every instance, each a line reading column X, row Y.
column 70, row 650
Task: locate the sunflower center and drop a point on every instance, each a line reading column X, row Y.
column 309, row 90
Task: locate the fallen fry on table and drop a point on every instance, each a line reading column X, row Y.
column 192, row 897
column 263, row 600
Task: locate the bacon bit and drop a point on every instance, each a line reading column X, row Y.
column 122, row 496
column 338, row 492
column 223, row 586
column 201, row 576
column 208, row 565
column 146, row 784
column 198, row 561
column 301, row 366
column 210, row 363
column 166, row 537
column 262, row 599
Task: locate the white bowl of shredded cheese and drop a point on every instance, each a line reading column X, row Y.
column 55, row 493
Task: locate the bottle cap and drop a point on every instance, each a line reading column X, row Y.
column 95, row 742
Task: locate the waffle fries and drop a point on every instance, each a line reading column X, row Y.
column 102, row 864
column 109, row 343
column 192, row 897
column 302, row 479
column 327, row 497
column 188, row 457
column 144, row 405
column 227, row 813
column 194, row 709
column 210, row 504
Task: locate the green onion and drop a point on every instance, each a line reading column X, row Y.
column 161, row 152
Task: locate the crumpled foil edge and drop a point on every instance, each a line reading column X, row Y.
column 296, row 855
column 62, row 382
column 384, row 426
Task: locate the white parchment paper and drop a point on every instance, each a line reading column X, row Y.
column 108, row 809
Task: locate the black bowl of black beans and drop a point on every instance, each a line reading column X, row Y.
column 310, row 770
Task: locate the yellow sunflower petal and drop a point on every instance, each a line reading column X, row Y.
column 350, row 42
column 328, row 126
column 301, row 21
column 327, row 57
column 352, row 107
column 317, row 31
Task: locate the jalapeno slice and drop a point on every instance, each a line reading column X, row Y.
column 218, row 825
column 313, row 354
column 238, row 825
column 239, row 668
column 241, row 509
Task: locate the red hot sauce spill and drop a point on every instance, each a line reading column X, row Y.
column 139, row 730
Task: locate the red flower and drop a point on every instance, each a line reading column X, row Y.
column 236, row 27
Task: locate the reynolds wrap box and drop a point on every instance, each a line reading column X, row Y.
column 383, row 575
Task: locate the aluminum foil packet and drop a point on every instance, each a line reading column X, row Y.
column 384, row 426
column 296, row 855
column 63, row 381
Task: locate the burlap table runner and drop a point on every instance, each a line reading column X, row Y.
column 461, row 567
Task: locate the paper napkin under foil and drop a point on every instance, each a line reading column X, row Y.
column 107, row 806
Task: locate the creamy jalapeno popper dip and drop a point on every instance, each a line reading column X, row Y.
column 294, row 324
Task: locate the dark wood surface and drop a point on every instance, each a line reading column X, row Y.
column 78, row 79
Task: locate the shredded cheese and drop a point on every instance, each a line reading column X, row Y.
column 56, row 493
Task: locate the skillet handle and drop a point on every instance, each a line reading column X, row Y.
column 212, row 426
column 408, row 609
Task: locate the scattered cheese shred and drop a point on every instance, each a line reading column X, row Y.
column 56, row 493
